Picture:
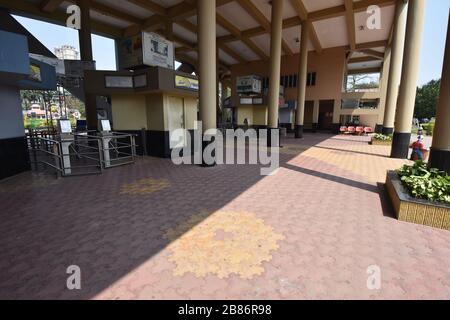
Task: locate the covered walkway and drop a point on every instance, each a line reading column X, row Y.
column 158, row 231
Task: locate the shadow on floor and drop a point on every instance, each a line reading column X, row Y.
column 47, row 226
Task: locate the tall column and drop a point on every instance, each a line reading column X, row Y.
column 408, row 85
column 383, row 88
column 316, row 110
column 337, row 106
column 85, row 41
column 207, row 64
column 275, row 67
column 302, row 75
column 440, row 151
column 395, row 69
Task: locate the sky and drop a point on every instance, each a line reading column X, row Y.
column 432, row 54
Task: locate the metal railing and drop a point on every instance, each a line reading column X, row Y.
column 65, row 158
column 80, row 153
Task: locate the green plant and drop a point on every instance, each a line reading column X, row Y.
column 382, row 137
column 428, row 128
column 425, row 183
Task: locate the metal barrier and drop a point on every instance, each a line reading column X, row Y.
column 118, row 149
column 66, row 158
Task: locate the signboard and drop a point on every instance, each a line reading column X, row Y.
column 130, row 52
column 249, row 84
column 140, row 81
column 58, row 64
column 118, row 82
column 35, row 73
column 186, row 83
column 157, row 51
column 106, row 125
column 246, row 101
column 65, row 127
column 146, row 48
column 257, row 100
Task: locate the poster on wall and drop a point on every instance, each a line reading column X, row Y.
column 35, row 73
column 186, row 83
column 130, row 52
column 157, row 51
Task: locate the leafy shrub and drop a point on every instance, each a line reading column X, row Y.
column 382, row 137
column 425, row 183
column 428, row 128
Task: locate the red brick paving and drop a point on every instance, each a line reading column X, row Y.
column 334, row 219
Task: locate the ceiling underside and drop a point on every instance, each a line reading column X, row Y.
column 243, row 26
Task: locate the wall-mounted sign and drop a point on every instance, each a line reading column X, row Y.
column 257, row 101
column 186, row 83
column 249, row 85
column 157, row 51
column 246, row 101
column 119, row 82
column 35, row 73
column 146, row 48
column 130, row 52
column 140, row 81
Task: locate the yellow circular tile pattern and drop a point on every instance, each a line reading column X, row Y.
column 222, row 243
column 145, row 186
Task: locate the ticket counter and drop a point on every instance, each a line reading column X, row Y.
column 151, row 103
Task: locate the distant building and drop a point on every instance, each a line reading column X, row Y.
column 36, row 112
column 66, row 52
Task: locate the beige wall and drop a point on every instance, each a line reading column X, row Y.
column 330, row 69
column 129, row 112
column 138, row 111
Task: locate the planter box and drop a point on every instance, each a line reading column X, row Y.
column 409, row 209
column 376, row 142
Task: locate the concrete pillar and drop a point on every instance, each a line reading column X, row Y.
column 395, row 69
column 207, row 64
column 302, row 75
column 383, row 88
column 275, row 67
column 440, row 151
column 408, row 85
column 315, row 124
column 85, row 41
column 336, row 116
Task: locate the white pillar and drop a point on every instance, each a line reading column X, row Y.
column 302, row 75
column 395, row 69
column 408, row 85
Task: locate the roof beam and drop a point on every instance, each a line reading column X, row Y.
column 50, row 5
column 193, row 28
column 256, row 14
column 363, row 59
column 363, row 71
column 237, row 34
column 150, row 5
column 118, row 14
column 33, row 10
column 350, row 19
column 341, row 10
column 303, row 15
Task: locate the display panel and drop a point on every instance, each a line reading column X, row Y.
column 119, row 82
column 186, row 83
column 157, row 51
column 140, row 81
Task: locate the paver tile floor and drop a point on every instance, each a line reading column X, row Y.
column 159, row 231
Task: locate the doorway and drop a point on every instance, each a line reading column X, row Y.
column 326, row 108
column 175, row 122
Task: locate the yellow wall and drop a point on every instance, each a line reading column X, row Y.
column 190, row 111
column 259, row 115
column 129, row 112
column 137, row 111
column 155, row 112
column 245, row 112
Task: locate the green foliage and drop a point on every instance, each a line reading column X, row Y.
column 425, row 183
column 427, row 100
column 382, row 137
column 428, row 128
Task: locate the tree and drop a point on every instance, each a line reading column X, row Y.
column 427, row 99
